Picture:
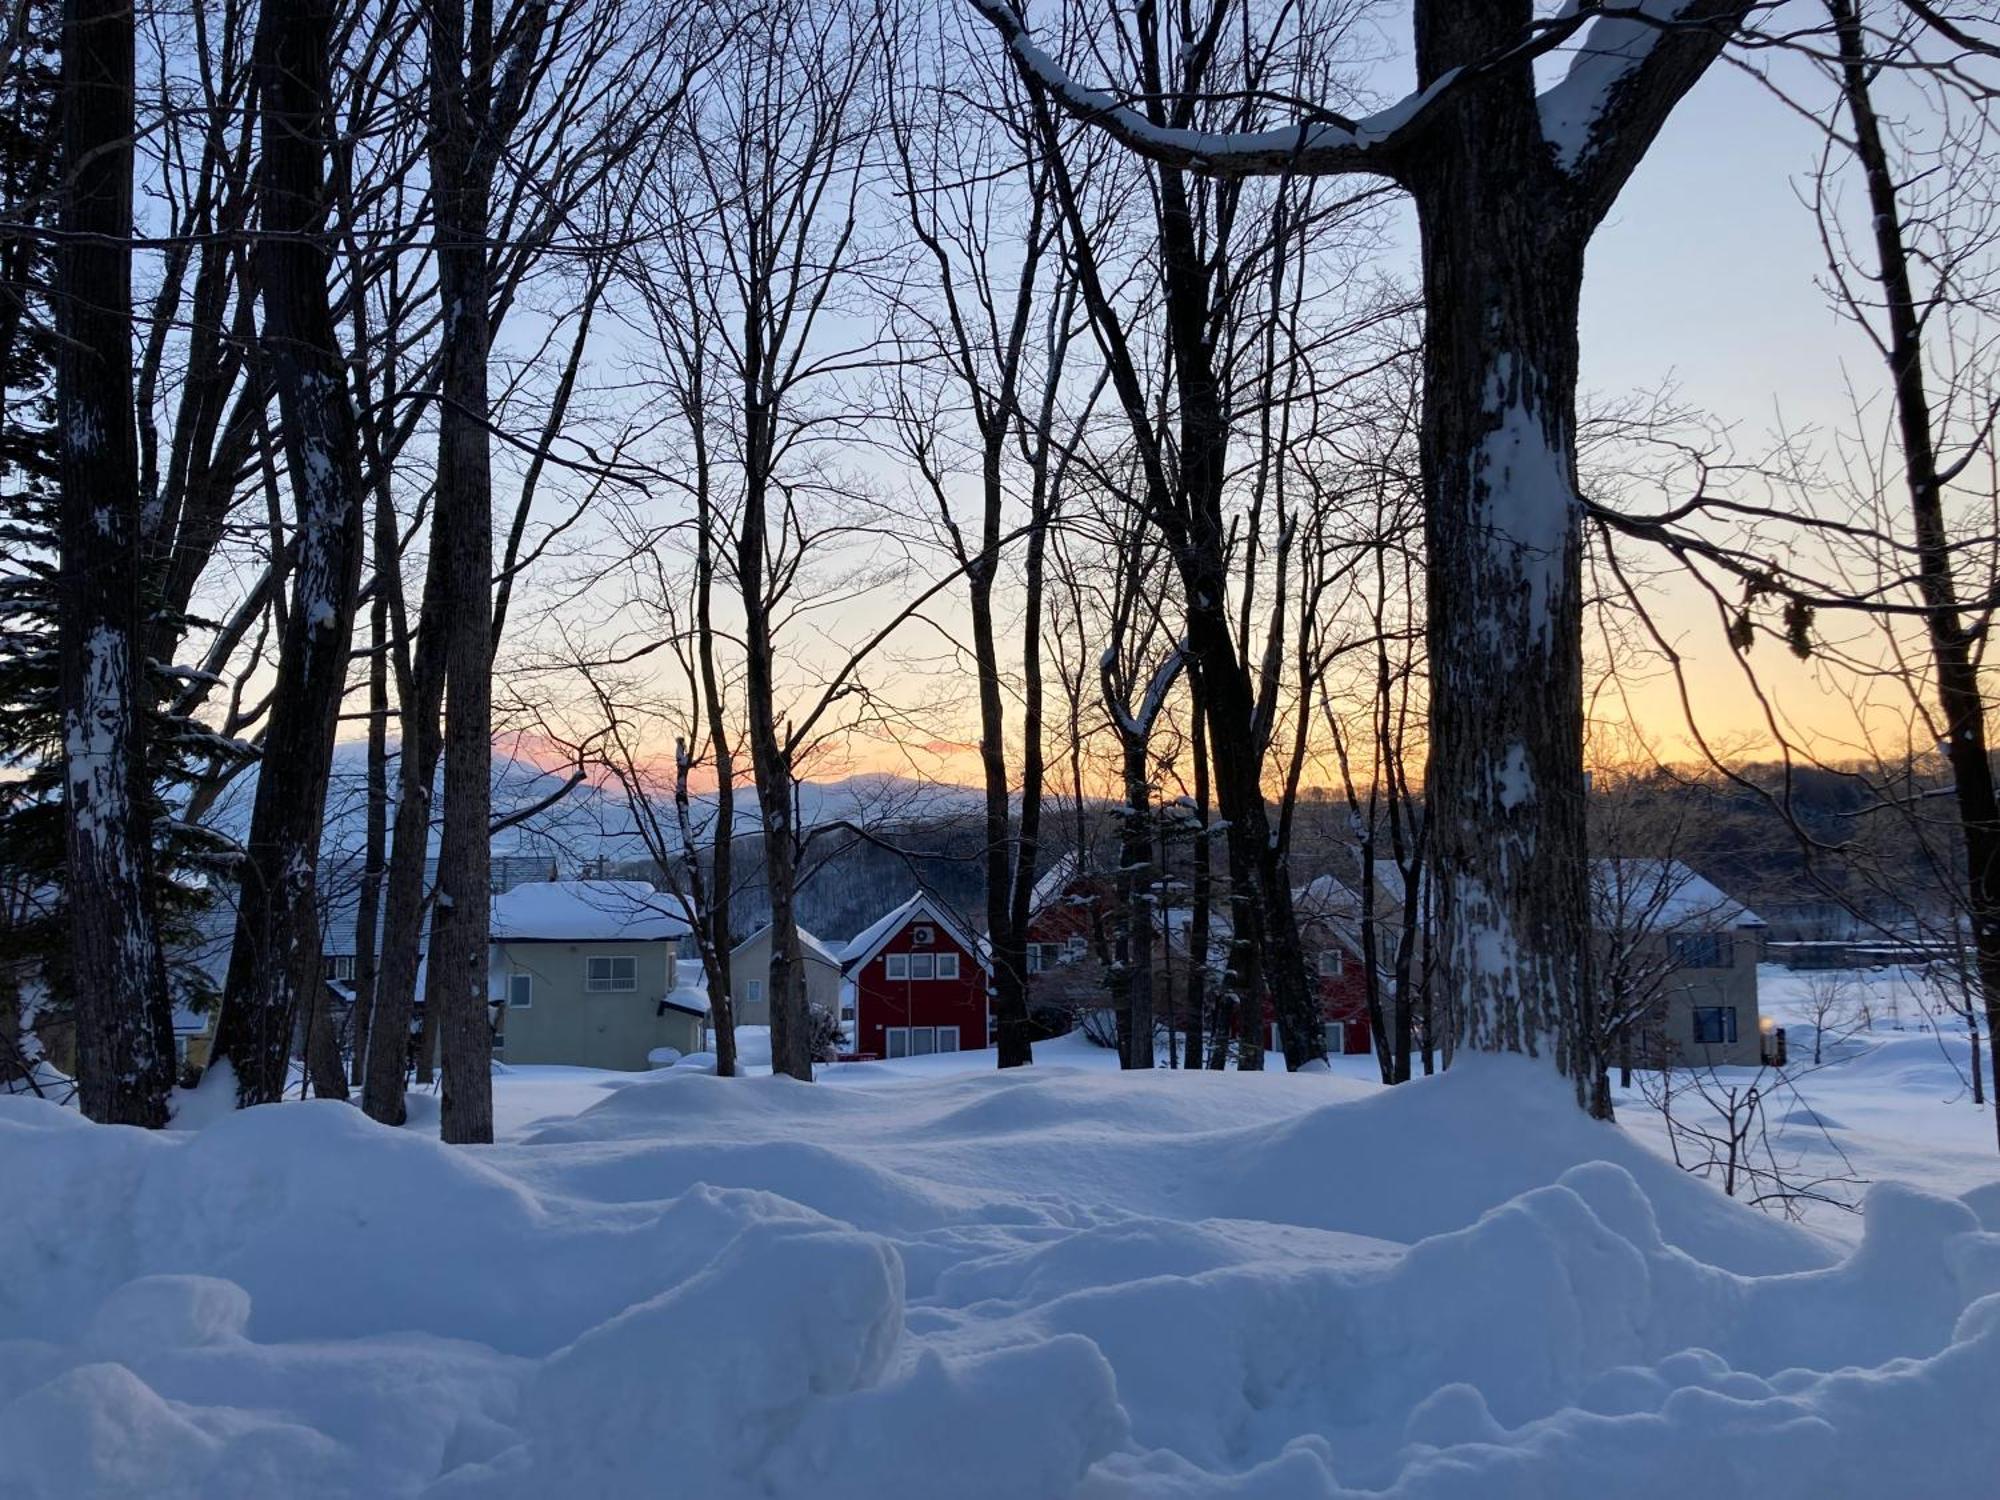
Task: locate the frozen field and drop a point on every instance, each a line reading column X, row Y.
column 926, row 1279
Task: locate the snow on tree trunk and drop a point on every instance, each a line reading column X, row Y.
column 275, row 981
column 124, row 1017
column 1503, row 273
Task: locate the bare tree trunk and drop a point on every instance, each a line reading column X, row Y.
column 1135, row 891
column 467, row 131
column 275, row 977
column 1954, row 650
column 1503, row 267
column 367, row 917
column 124, row 1016
column 404, row 896
column 1201, row 896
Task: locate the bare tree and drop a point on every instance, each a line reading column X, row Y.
column 274, row 971
column 1509, row 183
column 125, row 1020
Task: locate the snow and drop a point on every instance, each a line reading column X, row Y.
column 586, row 911
column 929, row 1277
column 1667, row 895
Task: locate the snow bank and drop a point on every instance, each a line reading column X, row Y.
column 1041, row 1284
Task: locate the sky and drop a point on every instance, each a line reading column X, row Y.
column 1705, row 277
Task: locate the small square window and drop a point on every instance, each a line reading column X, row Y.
column 897, row 966
column 1714, row 1025
column 947, row 966
column 1329, row 963
column 923, row 966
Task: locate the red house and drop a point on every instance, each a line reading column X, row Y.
column 1327, row 931
column 918, row 984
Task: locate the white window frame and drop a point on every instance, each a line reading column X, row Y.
column 923, row 965
column 756, row 992
column 1034, row 956
column 610, row 984
column 340, row 967
column 947, row 966
column 1331, row 963
column 1075, row 946
column 896, row 966
column 517, row 986
column 942, row 1031
column 892, row 1035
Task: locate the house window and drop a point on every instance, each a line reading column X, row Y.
column 614, row 972
column 340, row 966
column 1714, row 1025
column 1329, row 963
column 923, row 966
column 897, row 966
column 919, row 1041
column 1075, row 947
column 520, row 991
column 947, row 968
column 756, row 991
column 922, row 936
column 1034, row 958
column 847, row 1010
column 1701, row 950
column 947, row 1038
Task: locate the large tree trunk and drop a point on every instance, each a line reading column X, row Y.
column 275, row 974
column 1503, row 264
column 1954, row 648
column 125, row 1057
column 461, row 164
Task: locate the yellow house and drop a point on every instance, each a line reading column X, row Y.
column 586, row 973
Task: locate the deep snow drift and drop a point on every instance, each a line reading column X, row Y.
column 1058, row 1282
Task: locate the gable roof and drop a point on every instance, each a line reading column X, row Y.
column 1664, row 894
column 586, row 911
column 919, row 907
column 809, row 946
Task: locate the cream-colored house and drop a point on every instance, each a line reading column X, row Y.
column 1676, row 946
column 586, row 973
column 750, row 976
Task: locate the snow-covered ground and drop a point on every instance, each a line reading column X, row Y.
column 929, row 1279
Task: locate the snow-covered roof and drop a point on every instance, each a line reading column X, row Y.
column 812, row 946
column 1665, row 895
column 585, row 911
column 690, row 998
column 870, row 940
column 1054, row 881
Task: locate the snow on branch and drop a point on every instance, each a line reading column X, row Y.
column 1331, row 144
column 1611, row 56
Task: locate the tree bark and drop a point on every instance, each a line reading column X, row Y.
column 125, row 1057
column 1135, row 891
column 463, row 143
column 368, row 913
column 1503, row 267
column 275, row 977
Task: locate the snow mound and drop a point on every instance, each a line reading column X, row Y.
column 1051, row 1283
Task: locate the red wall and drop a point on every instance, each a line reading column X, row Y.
column 881, row 1002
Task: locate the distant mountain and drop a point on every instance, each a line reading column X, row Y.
column 590, row 822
